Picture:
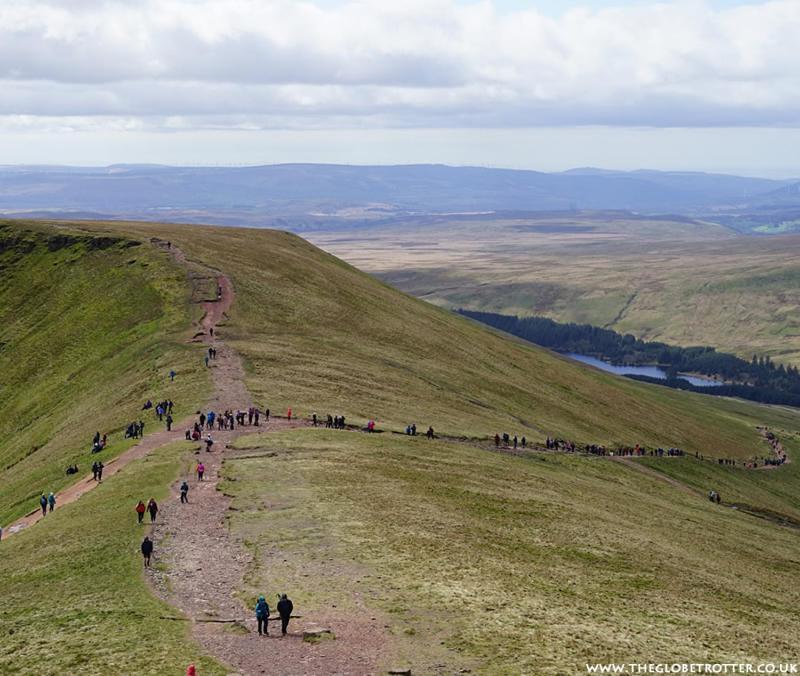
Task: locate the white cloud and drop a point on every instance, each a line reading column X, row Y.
column 166, row 64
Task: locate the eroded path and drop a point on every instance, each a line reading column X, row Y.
column 214, row 311
column 205, row 562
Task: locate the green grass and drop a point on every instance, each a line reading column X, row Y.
column 89, row 330
column 773, row 490
column 318, row 335
column 73, row 590
column 474, row 559
column 512, row 565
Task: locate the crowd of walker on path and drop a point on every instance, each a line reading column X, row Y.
column 284, row 605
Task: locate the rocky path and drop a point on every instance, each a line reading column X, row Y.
column 205, row 562
column 214, row 311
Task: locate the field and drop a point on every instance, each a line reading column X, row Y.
column 499, row 564
column 677, row 282
column 453, row 555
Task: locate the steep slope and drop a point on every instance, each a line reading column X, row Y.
column 319, row 336
column 89, row 329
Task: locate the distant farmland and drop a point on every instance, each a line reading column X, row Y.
column 677, row 281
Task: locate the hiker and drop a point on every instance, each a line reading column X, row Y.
column 314, row 419
column 147, row 550
column 100, row 467
column 209, row 442
column 184, row 492
column 140, row 510
column 256, row 415
column 43, row 503
column 152, row 507
column 206, row 360
column 201, row 468
column 430, row 433
column 172, row 375
column 289, row 414
column 147, row 405
column 497, row 440
column 262, row 616
column 94, row 471
column 191, row 670
column 515, row 442
column 72, row 469
column 285, row 608
column 524, row 442
column 51, row 501
column 169, row 423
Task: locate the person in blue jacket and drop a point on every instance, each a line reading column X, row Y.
column 262, row 616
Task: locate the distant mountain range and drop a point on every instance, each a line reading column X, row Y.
column 309, row 194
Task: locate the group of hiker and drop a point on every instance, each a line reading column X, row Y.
column 713, row 496
column 228, row 420
column 134, row 430
column 777, row 449
column 284, row 608
column 47, row 501
column 151, row 507
column 637, row 451
column 508, row 442
column 97, row 470
column 162, row 408
column 335, row 422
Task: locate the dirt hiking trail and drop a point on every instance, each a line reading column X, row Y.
column 205, row 563
column 214, row 312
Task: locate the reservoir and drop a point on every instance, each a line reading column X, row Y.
column 651, row 371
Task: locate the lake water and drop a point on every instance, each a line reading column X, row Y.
column 651, row 371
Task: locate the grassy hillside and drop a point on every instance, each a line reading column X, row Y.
column 318, row 335
column 89, row 329
column 74, row 596
column 473, row 559
column 677, row 282
column 506, row 565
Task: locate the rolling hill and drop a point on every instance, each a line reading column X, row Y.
column 316, row 195
column 455, row 556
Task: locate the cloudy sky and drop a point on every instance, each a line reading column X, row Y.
column 545, row 84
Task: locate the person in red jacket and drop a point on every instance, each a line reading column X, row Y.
column 140, row 509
